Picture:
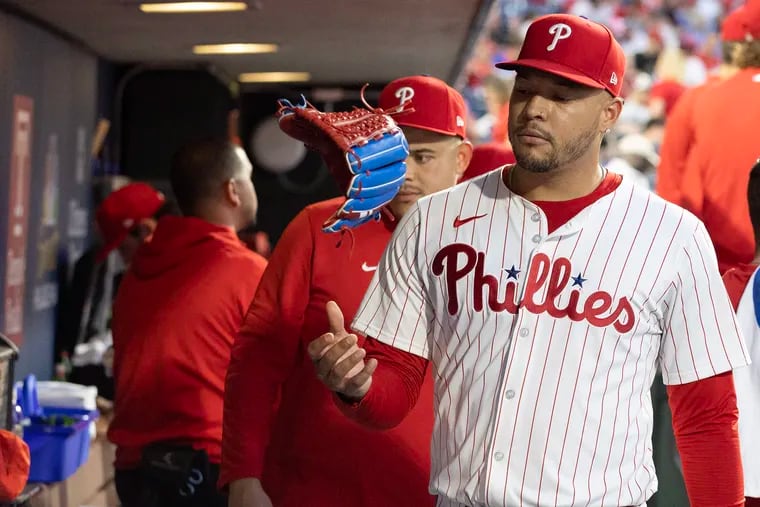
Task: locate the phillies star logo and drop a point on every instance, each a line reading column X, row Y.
column 459, row 260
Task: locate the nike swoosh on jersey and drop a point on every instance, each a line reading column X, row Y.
column 367, row 268
column 458, row 222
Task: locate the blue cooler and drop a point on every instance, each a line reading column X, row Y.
column 58, row 438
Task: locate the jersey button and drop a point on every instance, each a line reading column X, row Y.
column 524, row 332
column 535, row 217
column 498, row 456
column 537, row 239
column 509, row 394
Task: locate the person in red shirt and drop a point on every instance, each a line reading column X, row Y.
column 175, row 318
column 285, row 443
column 724, row 147
column 743, row 286
column 679, row 128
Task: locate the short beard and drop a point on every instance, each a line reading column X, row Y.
column 567, row 153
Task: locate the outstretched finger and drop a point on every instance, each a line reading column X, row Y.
column 335, row 319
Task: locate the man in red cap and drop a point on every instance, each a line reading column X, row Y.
column 285, row 442
column 724, row 147
column 125, row 219
column 681, row 122
column 176, row 314
column 544, row 297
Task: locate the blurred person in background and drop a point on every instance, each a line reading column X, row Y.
column 678, row 137
column 175, row 317
column 724, row 147
column 125, row 219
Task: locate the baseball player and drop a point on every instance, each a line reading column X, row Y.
column 285, row 443
column 724, row 147
column 679, row 129
column 544, row 296
column 743, row 286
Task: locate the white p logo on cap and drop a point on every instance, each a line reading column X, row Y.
column 560, row 31
column 404, row 94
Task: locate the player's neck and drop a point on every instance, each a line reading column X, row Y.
column 564, row 184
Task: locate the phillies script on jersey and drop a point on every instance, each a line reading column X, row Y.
column 544, row 344
column 545, row 276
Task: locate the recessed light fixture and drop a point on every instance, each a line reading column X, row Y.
column 181, row 7
column 274, row 77
column 234, row 49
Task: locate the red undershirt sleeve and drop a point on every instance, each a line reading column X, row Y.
column 395, row 388
column 705, row 423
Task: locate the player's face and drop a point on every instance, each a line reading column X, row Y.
column 435, row 162
column 554, row 122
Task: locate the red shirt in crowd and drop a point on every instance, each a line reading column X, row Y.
column 717, row 172
column 177, row 312
column 280, row 424
column 677, row 143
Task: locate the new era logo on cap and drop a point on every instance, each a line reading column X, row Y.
column 574, row 48
column 429, row 104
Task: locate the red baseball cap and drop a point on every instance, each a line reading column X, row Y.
column 574, row 48
column 14, row 472
column 122, row 210
column 437, row 106
column 751, row 15
column 486, row 157
column 732, row 28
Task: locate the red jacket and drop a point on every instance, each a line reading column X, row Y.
column 717, row 172
column 677, row 144
column 175, row 318
column 304, row 450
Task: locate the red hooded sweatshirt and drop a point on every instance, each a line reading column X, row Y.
column 177, row 312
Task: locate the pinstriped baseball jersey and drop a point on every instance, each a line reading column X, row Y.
column 545, row 345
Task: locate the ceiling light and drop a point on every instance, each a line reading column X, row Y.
column 177, row 7
column 233, row 49
column 274, row 77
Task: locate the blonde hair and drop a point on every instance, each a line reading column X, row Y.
column 748, row 54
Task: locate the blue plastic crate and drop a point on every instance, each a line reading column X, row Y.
column 58, row 451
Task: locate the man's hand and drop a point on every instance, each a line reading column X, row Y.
column 248, row 492
column 339, row 360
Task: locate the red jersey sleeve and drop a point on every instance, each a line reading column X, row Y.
column 705, row 424
column 395, row 388
column 265, row 351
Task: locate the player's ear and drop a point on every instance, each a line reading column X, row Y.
column 464, row 155
column 612, row 106
column 231, row 194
